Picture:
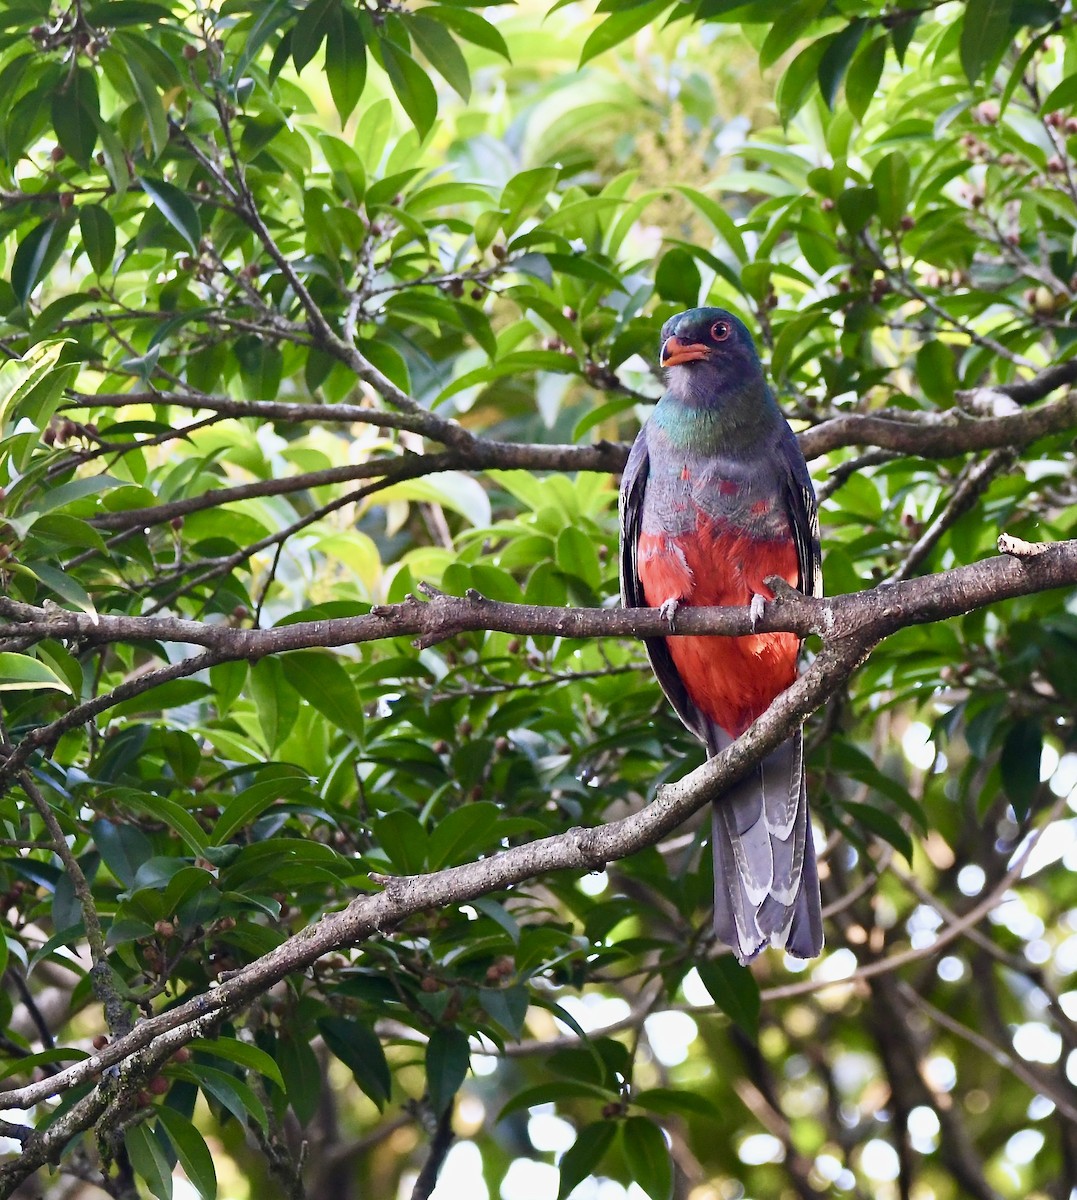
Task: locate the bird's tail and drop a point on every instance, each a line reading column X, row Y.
column 766, row 885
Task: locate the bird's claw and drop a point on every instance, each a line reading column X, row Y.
column 756, row 609
column 668, row 610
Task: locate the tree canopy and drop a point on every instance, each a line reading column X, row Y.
column 347, row 840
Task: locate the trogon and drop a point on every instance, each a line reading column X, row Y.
column 716, row 498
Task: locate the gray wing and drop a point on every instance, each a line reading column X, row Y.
column 633, row 490
column 800, row 502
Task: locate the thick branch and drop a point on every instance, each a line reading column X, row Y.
column 1020, row 570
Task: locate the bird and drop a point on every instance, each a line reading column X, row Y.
column 716, row 498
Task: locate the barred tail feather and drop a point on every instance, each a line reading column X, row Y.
column 766, row 885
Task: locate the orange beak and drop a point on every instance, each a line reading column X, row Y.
column 675, row 352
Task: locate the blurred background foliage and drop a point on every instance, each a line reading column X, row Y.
column 260, row 261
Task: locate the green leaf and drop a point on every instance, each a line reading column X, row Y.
column 276, row 702
column 647, row 1157
column 302, row 1075
column 172, row 813
column 675, row 1102
column 462, row 834
column 243, row 1054
column 323, row 682
column 577, row 555
column 124, row 848
column 798, row 80
column 253, row 801
column 524, row 194
column 862, row 81
column 1019, row 764
column 836, row 58
column 507, row 1006
column 470, row 26
column 229, row 1091
column 891, row 181
column 1061, row 97
column 620, row 26
column 176, row 208
column 149, row 1161
column 75, row 115
column 34, row 258
column 314, row 24
column 153, row 109
column 985, row 34
column 191, row 1150
column 98, row 236
column 403, row 839
column 440, row 50
column 856, row 207
column 358, row 1047
column 447, row 1059
column 734, row 990
column 20, row 673
column 796, row 18
column 718, row 217
column 412, row 86
column 677, row 278
column 261, row 367
column 883, row 825
column 61, row 583
column 935, row 372
column 584, row 1155
column 345, row 64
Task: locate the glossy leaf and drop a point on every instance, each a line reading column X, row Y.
column 447, row 1058
column 648, row 1157
column 176, row 208
column 734, row 990
column 359, row 1048
column 191, row 1150
column 584, row 1155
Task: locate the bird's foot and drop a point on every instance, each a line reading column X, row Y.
column 668, row 609
column 756, row 609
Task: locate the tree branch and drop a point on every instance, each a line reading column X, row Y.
column 1022, row 569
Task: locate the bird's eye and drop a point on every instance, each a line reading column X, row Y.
column 720, row 330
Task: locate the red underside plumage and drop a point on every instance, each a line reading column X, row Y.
column 732, row 680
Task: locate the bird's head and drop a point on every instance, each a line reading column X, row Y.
column 713, row 371
column 709, row 340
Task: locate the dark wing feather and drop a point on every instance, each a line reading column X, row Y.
column 803, row 512
column 633, row 488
